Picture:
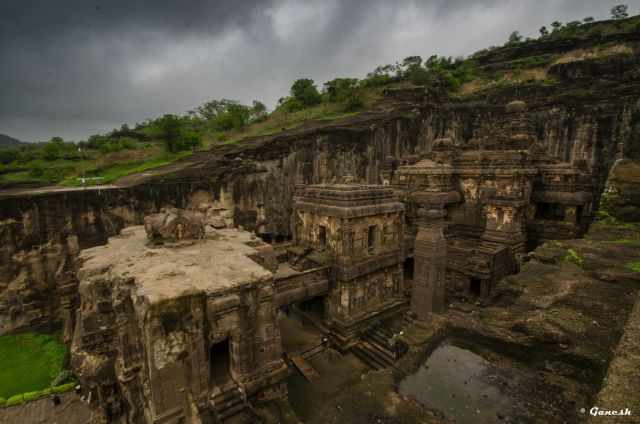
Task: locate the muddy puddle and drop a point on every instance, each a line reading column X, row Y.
column 467, row 388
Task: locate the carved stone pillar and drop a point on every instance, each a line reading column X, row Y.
column 430, row 264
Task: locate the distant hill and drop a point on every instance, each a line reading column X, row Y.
column 6, row 141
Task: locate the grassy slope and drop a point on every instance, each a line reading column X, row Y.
column 280, row 121
column 517, row 64
column 29, row 362
column 112, row 166
column 493, row 69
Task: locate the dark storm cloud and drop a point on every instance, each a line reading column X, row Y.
column 73, row 67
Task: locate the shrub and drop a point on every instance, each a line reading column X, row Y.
column 29, row 396
column 37, row 394
column 573, row 257
column 15, row 400
column 290, row 104
column 64, row 387
column 36, row 171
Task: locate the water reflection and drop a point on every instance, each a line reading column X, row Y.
column 461, row 385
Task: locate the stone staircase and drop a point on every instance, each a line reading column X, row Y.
column 228, row 401
column 374, row 350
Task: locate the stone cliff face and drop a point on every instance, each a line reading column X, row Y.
column 591, row 116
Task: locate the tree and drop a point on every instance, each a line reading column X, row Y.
column 53, row 149
column 514, row 38
column 211, row 109
column 305, row 91
column 556, row 25
column 289, row 104
column 382, row 75
column 410, row 65
column 170, row 132
column 225, row 114
column 8, row 155
column 344, row 91
column 619, row 11
column 339, row 89
column 258, row 112
column 588, row 19
column 573, row 25
column 543, row 31
column 176, row 135
column 96, row 141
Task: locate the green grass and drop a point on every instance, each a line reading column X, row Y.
column 113, row 172
column 29, row 362
column 279, row 120
column 634, row 266
column 37, row 171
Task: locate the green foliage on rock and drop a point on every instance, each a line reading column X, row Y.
column 634, row 266
column 574, row 257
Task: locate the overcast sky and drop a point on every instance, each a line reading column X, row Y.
column 73, row 68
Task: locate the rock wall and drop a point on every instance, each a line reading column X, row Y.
column 253, row 182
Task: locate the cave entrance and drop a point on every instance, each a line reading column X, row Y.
column 550, row 211
column 475, row 287
column 219, row 361
column 408, row 268
column 579, row 212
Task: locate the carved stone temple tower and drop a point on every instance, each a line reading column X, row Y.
column 430, row 255
column 429, row 188
column 360, row 228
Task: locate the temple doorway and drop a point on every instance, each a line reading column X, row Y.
column 408, row 269
column 475, row 287
column 219, row 361
column 314, row 308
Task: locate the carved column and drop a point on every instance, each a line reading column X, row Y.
column 430, row 264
